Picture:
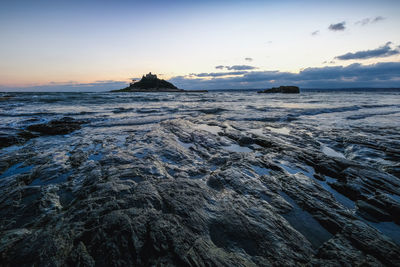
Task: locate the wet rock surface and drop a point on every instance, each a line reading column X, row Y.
column 9, row 137
column 64, row 125
column 201, row 189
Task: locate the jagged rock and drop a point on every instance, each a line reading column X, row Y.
column 65, row 125
column 14, row 137
column 9, row 137
column 8, row 140
column 371, row 212
column 215, row 183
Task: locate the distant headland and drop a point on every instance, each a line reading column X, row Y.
column 150, row 83
column 282, row 90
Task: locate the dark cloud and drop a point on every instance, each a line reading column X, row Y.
column 383, row 51
column 248, row 59
column 367, row 21
column 378, row 18
column 236, row 67
column 217, row 74
column 315, row 33
column 355, row 75
column 240, row 67
column 338, row 26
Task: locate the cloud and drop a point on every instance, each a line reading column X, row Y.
column 71, row 86
column 240, row 67
column 383, row 51
column 378, row 18
column 338, row 26
column 235, row 67
column 363, row 22
column 367, row 21
column 384, row 74
column 217, row 74
column 315, row 33
column 248, row 59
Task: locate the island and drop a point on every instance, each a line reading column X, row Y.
column 151, row 83
column 282, row 90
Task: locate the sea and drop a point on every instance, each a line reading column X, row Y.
column 323, row 108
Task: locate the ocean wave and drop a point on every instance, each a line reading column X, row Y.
column 212, row 110
column 364, row 116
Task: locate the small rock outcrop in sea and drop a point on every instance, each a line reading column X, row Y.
column 5, row 97
column 282, row 90
column 64, row 125
column 150, row 83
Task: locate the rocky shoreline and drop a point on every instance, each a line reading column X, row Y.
column 64, row 125
column 228, row 178
column 194, row 192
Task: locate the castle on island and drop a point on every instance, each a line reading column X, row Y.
column 151, row 83
column 148, row 76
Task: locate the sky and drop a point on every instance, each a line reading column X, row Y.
column 100, row 45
